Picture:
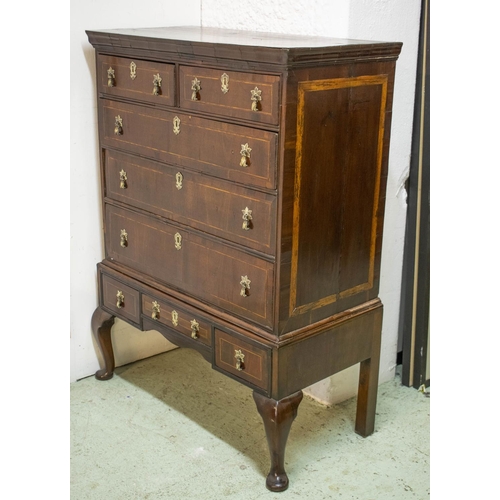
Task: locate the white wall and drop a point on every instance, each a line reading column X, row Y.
column 85, row 219
column 387, row 20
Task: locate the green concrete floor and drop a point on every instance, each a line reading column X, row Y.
column 171, row 427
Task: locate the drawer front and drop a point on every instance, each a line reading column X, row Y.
column 232, row 212
column 232, row 152
column 187, row 323
column 136, row 79
column 229, row 93
column 228, row 278
column 243, row 359
column 121, row 299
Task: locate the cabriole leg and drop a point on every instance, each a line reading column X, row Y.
column 277, row 417
column 101, row 328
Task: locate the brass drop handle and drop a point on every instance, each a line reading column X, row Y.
column 195, row 87
column 118, row 125
column 247, row 217
column 120, row 299
column 156, row 84
column 245, row 286
column 245, row 155
column 123, row 238
column 155, row 310
column 111, row 77
column 256, row 98
column 195, row 329
column 123, row 179
column 240, row 358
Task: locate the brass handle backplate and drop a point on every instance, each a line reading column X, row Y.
column 123, row 238
column 247, row 217
column 156, row 84
column 118, row 125
column 155, row 310
column 245, row 155
column 195, row 328
column 120, row 299
column 240, row 358
column 111, row 77
column 256, row 98
column 245, row 286
column 123, row 179
column 195, row 87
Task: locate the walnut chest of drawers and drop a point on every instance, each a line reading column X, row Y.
column 243, row 185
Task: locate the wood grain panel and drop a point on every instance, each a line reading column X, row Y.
column 203, row 268
column 201, row 144
column 236, row 102
column 202, row 202
column 141, row 87
column 340, row 131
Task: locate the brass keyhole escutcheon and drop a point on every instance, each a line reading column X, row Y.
column 178, row 180
column 177, row 125
column 224, row 80
column 175, row 318
column 178, row 241
column 133, row 70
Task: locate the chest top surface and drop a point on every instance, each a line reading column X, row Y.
column 272, row 48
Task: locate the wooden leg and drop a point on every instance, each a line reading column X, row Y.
column 101, row 328
column 368, row 387
column 278, row 417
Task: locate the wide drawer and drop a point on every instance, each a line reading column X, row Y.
column 187, row 323
column 120, row 299
column 136, row 79
column 232, row 152
column 245, row 360
column 232, row 212
column 209, row 270
column 230, row 93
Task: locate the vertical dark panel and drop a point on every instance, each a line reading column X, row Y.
column 326, row 119
column 414, row 311
column 361, row 178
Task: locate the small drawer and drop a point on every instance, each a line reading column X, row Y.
column 187, row 323
column 120, row 299
column 229, row 93
column 243, row 359
column 136, row 79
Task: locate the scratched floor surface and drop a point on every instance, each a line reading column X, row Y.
column 171, row 427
